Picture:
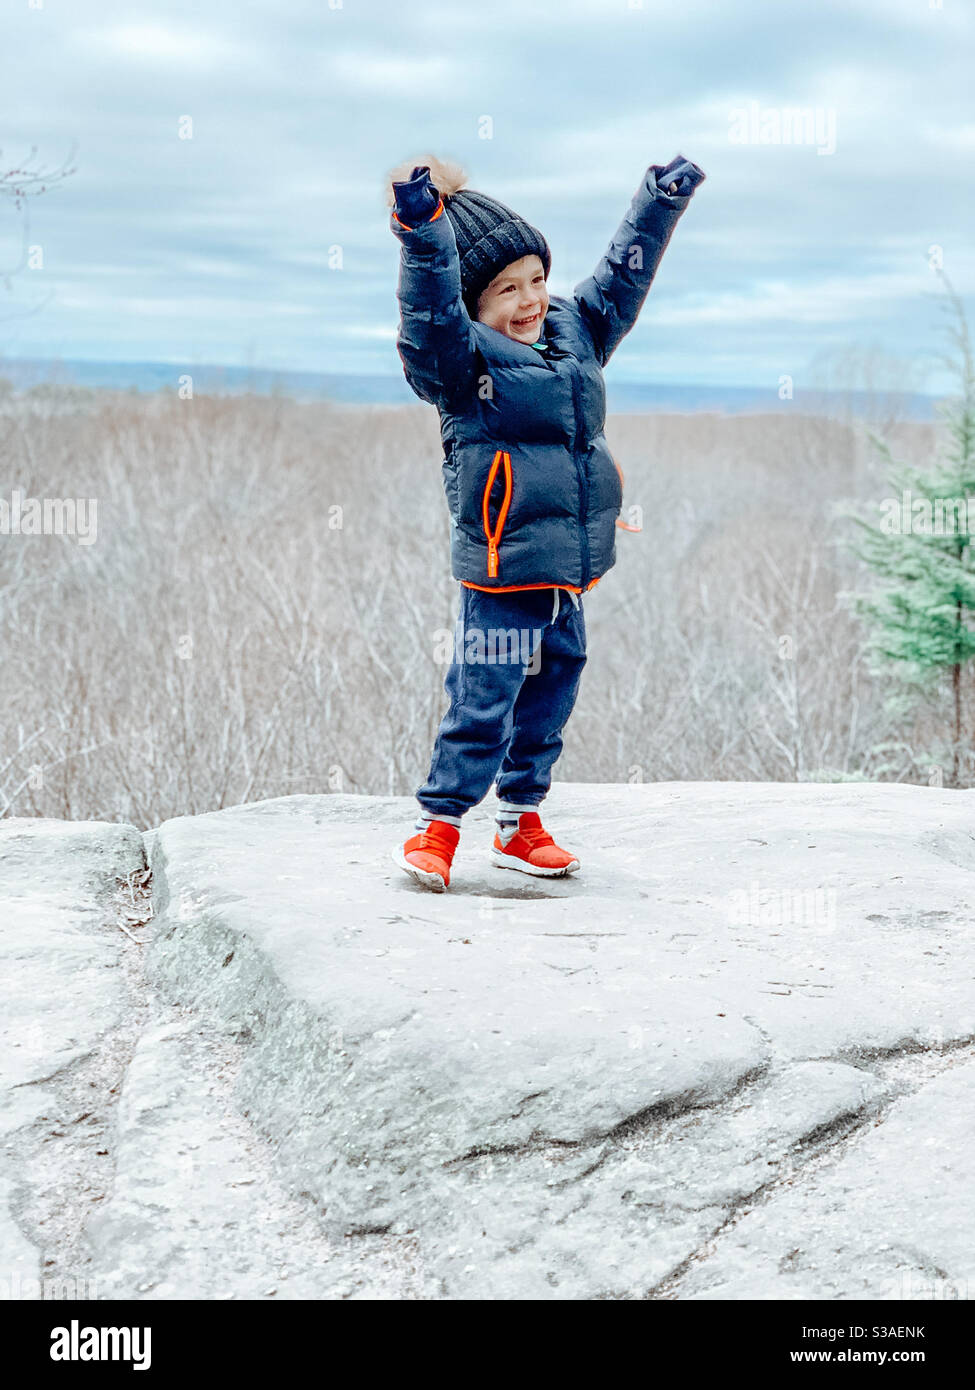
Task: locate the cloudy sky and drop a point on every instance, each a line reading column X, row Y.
column 222, row 247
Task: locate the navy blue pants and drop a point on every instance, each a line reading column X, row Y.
column 512, row 682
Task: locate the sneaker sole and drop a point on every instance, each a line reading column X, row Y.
column 426, row 880
column 507, row 861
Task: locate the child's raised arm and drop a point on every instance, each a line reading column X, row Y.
column 436, row 340
column 611, row 298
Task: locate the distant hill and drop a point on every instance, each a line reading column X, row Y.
column 354, row 389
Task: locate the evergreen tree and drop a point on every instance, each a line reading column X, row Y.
column 921, row 609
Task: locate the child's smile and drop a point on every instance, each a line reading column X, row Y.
column 516, row 301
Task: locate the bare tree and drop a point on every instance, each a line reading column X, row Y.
column 19, row 183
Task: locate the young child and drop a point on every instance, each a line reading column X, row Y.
column 533, row 490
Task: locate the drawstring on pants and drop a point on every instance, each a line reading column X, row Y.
column 557, row 598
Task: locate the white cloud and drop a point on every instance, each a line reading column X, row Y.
column 835, row 299
column 158, row 41
column 362, row 70
column 383, row 332
column 952, row 137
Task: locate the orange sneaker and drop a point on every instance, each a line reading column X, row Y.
column 427, row 856
column 532, row 850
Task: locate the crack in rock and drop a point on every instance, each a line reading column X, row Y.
column 67, row 1174
column 826, row 1145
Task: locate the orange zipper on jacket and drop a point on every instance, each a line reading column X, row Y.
column 494, row 537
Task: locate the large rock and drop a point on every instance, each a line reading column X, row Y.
column 568, row 1088
column 59, row 994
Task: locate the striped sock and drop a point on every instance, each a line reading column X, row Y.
column 507, row 816
column 425, row 817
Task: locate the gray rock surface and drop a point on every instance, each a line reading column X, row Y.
column 734, row 1057
column 126, row 1170
column 195, row 1212
column 577, row 1088
column 59, row 986
column 891, row 1217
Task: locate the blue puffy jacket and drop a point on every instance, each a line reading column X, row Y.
column 533, row 490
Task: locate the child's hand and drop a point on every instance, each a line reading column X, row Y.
column 680, row 176
column 416, row 197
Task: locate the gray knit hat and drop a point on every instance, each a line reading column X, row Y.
column 489, row 235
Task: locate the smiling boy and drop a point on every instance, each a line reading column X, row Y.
column 516, row 301
column 533, row 491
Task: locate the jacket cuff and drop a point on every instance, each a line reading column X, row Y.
column 684, row 172
column 412, row 226
column 416, row 198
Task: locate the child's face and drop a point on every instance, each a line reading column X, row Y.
column 516, row 301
